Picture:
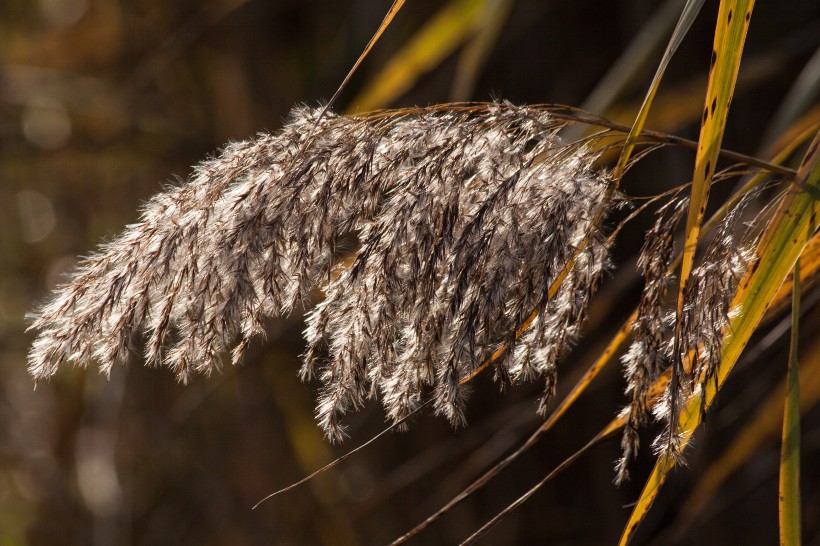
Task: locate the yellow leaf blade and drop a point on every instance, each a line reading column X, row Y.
column 730, row 35
column 789, row 488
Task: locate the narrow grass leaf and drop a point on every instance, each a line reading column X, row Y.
column 687, row 17
column 789, row 489
column 807, row 123
column 730, row 35
column 785, row 150
column 448, row 29
column 631, row 65
column 801, row 97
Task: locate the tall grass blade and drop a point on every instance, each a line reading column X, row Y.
column 801, row 97
column 807, row 123
column 789, row 498
column 631, row 64
column 786, row 149
column 730, row 35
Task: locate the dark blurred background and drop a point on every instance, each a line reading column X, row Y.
column 104, row 101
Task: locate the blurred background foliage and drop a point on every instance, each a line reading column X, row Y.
column 103, row 101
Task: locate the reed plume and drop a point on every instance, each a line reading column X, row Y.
column 704, row 324
column 463, row 218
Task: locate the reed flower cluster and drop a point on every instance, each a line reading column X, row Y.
column 692, row 352
column 460, row 219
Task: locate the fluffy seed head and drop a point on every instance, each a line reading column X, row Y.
column 463, row 218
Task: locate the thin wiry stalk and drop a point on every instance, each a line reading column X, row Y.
column 464, row 219
column 484, row 529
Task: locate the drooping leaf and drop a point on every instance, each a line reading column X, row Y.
column 789, row 498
